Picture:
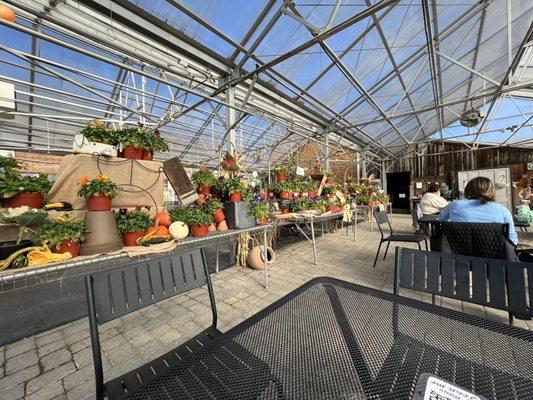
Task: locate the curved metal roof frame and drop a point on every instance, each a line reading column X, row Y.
column 201, row 99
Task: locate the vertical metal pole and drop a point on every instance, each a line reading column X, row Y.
column 383, row 177
column 363, row 165
column 217, row 262
column 325, row 151
column 34, row 52
column 230, row 120
column 509, row 40
column 314, row 241
column 265, row 257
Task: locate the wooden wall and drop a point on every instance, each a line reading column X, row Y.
column 341, row 164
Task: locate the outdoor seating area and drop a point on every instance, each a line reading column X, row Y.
column 268, row 199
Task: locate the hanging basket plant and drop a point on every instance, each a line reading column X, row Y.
column 229, row 163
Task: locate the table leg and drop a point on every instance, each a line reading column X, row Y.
column 354, row 227
column 265, row 257
column 314, row 241
column 217, row 259
column 371, row 212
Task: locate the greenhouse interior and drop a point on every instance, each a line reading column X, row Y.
column 198, row 199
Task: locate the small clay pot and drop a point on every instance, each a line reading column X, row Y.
column 148, row 155
column 255, row 258
column 205, row 189
column 133, row 152
column 219, row 216
column 263, row 221
column 235, row 197
column 222, row 226
column 32, row 200
column 130, row 238
column 67, row 247
column 283, row 195
column 99, row 202
column 329, row 181
column 199, row 230
column 212, row 227
column 280, row 176
column 284, row 210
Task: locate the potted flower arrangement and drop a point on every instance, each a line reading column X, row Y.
column 308, row 188
column 204, row 179
column 229, row 163
column 215, row 208
column 62, row 235
column 95, row 131
column 330, row 190
column 285, row 206
column 329, row 176
column 281, row 172
column 261, row 211
column 132, row 225
column 134, row 140
column 17, row 190
column 234, row 188
column 98, row 192
column 284, row 189
column 153, row 143
column 199, row 220
column 179, row 214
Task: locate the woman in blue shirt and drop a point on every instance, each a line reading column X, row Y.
column 479, row 206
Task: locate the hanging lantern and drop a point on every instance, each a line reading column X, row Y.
column 7, row 13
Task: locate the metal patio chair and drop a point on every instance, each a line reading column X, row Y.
column 381, row 219
column 115, row 293
column 495, row 283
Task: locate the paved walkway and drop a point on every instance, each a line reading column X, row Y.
column 57, row 364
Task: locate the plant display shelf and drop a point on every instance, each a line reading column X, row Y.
column 50, row 296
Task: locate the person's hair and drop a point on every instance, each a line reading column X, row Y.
column 480, row 188
column 433, row 188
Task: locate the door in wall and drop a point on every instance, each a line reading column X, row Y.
column 500, row 177
column 398, row 184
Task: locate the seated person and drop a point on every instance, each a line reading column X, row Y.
column 431, row 202
column 479, row 206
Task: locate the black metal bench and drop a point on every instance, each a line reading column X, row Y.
column 115, row 293
column 501, row 284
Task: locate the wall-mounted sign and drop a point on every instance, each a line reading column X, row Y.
column 530, row 166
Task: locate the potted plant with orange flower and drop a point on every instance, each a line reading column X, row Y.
column 99, row 192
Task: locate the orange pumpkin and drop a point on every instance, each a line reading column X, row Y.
column 7, row 13
column 163, row 218
column 159, row 230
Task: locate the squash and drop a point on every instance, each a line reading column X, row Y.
column 222, row 226
column 178, row 230
column 159, row 230
column 163, row 218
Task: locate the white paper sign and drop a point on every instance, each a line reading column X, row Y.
column 401, row 195
column 300, row 171
column 419, row 185
column 442, row 390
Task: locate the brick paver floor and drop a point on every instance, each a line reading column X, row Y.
column 57, row 364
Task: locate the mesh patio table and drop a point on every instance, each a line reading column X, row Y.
column 330, row 339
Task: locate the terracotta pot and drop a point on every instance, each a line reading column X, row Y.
column 120, row 153
column 32, row 200
column 133, row 152
column 280, row 176
column 67, row 247
column 255, row 257
column 235, row 197
column 217, row 195
column 148, row 155
column 329, row 181
column 205, row 189
column 222, row 226
column 219, row 216
column 263, row 221
column 329, row 208
column 199, row 230
column 284, row 210
column 311, row 193
column 130, row 238
column 283, row 195
column 99, row 203
column 201, row 199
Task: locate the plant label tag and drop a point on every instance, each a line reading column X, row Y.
column 431, row 387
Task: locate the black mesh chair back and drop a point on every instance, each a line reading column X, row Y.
column 114, row 293
column 381, row 219
column 499, row 284
column 487, row 240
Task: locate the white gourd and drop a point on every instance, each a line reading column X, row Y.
column 178, row 230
